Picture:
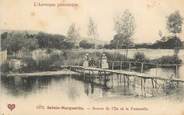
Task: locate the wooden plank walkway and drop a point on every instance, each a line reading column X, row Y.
column 129, row 73
column 95, row 71
column 43, row 74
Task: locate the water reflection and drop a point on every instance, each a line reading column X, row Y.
column 17, row 86
column 75, row 87
column 162, row 72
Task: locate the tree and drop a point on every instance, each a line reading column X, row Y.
column 85, row 44
column 174, row 26
column 125, row 28
column 73, row 33
column 125, row 24
column 4, row 41
column 18, row 40
column 174, row 22
column 167, row 42
column 53, row 41
column 92, row 30
column 139, row 57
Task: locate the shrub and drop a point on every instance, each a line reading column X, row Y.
column 169, row 60
column 73, row 58
column 139, row 57
column 115, row 56
column 4, row 67
column 56, row 59
column 30, row 65
column 100, row 46
column 86, row 45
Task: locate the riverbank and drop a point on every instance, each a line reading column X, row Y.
column 56, row 58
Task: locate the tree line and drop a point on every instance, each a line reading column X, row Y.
column 124, row 27
column 15, row 41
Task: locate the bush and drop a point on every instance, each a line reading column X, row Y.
column 5, row 68
column 100, row 46
column 56, row 59
column 115, row 56
column 73, row 58
column 169, row 60
column 30, row 65
column 139, row 57
column 86, row 45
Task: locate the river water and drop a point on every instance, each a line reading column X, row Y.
column 68, row 89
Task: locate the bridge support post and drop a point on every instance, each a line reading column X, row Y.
column 105, row 79
column 99, row 75
column 142, row 67
column 177, row 84
column 152, row 83
column 134, row 82
column 144, row 91
column 121, row 63
column 112, row 65
column 128, row 81
column 153, row 87
column 124, row 81
column 176, row 73
column 92, row 76
column 156, row 69
column 84, row 75
column 129, row 66
column 141, row 87
column 118, row 82
column 120, row 78
column 112, row 82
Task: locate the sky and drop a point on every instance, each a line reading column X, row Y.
column 150, row 16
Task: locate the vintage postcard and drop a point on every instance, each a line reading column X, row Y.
column 91, row 57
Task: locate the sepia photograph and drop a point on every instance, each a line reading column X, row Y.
column 96, row 57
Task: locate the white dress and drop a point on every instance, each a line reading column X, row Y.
column 86, row 62
column 105, row 65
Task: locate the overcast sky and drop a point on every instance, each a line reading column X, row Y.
column 150, row 16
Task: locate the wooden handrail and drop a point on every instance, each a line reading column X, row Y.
column 146, row 63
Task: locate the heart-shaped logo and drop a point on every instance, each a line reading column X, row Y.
column 11, row 106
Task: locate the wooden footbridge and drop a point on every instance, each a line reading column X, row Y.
column 98, row 71
column 145, row 82
column 105, row 72
column 107, row 77
column 76, row 70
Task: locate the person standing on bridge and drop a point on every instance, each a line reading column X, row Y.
column 104, row 63
column 92, row 62
column 86, row 61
